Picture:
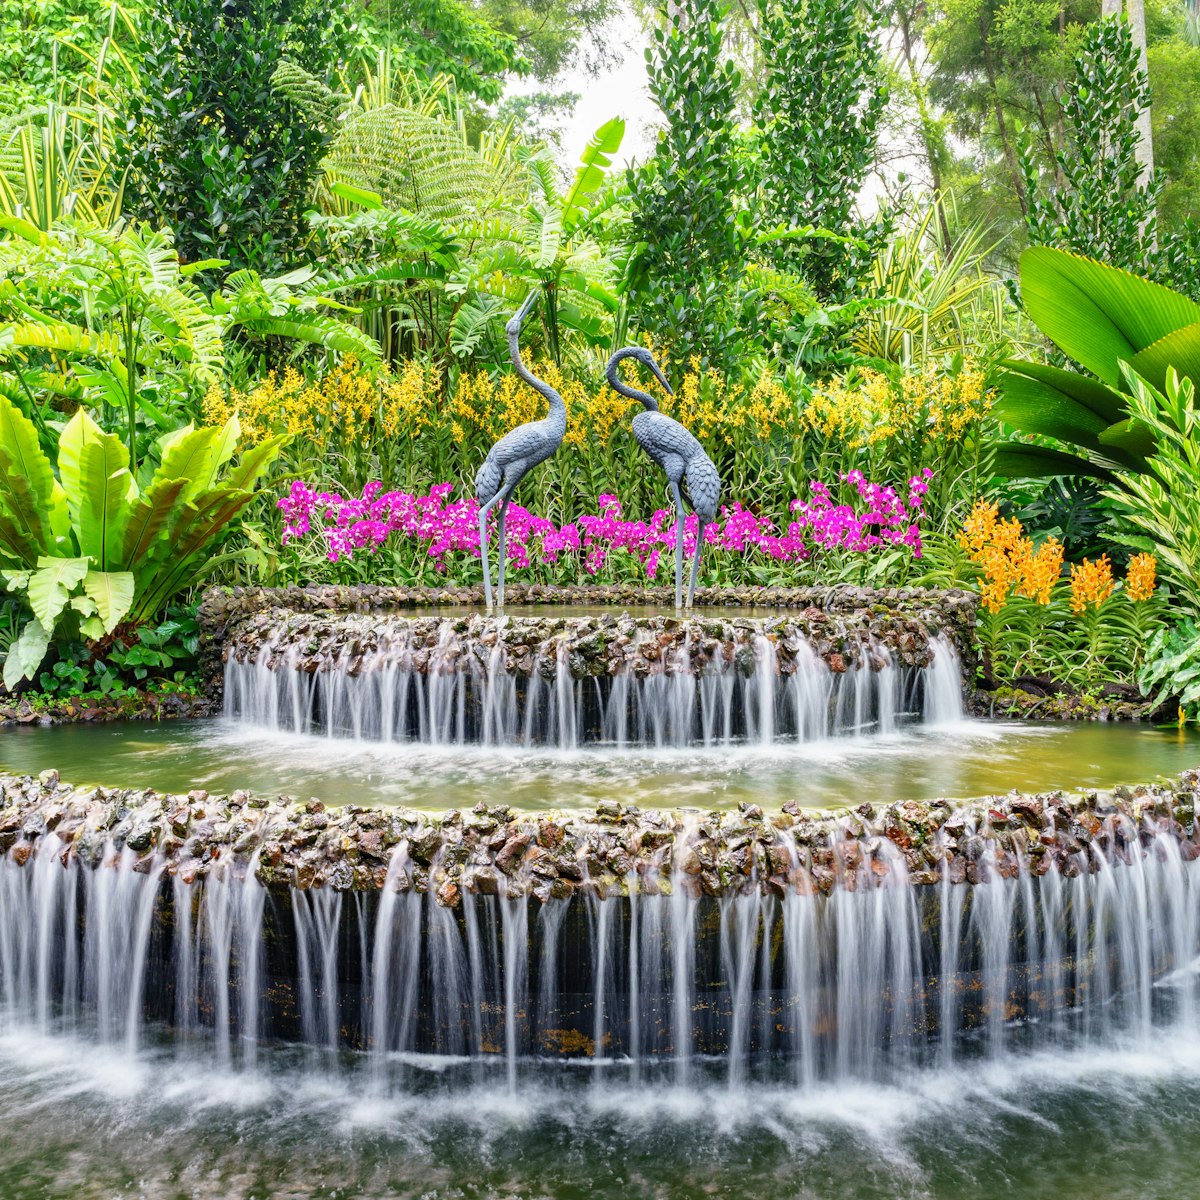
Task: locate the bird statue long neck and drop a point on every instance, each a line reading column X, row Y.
column 558, row 410
column 644, row 398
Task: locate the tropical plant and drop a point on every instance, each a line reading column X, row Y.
column 111, row 318
column 93, row 549
column 450, row 37
column 1092, row 198
column 1080, row 629
column 1172, row 667
column 446, row 253
column 692, row 236
column 55, row 164
column 1103, row 318
column 212, row 148
column 549, row 243
column 1162, row 504
column 929, row 300
column 818, row 111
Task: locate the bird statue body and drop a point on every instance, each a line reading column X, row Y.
column 516, row 453
column 679, row 454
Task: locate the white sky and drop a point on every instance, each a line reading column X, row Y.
column 620, row 92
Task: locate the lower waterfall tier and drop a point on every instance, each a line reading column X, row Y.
column 879, row 974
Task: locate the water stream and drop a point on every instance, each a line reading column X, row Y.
column 1030, row 1033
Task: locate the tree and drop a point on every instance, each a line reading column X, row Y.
column 1093, row 199
column 213, row 149
column 818, row 112
column 689, row 264
column 449, row 37
column 549, row 33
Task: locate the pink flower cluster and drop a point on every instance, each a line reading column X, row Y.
column 350, row 524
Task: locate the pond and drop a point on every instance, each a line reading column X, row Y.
column 89, row 1122
column 963, row 759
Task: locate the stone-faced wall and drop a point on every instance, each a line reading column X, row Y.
column 493, row 850
column 831, row 618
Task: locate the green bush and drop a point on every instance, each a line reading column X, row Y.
column 89, row 550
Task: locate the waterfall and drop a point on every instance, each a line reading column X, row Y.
column 764, row 689
column 944, row 684
column 881, row 974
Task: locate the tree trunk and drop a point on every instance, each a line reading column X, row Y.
column 1145, row 149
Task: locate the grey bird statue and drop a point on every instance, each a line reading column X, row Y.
column 516, row 453
column 679, row 454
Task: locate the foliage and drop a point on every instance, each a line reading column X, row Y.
column 1108, row 321
column 1172, row 667
column 109, row 318
column 556, row 34
column 689, row 260
column 818, row 110
column 44, row 48
column 1074, row 510
column 1092, row 198
column 929, row 299
column 212, row 148
column 93, row 550
column 451, row 38
column 55, row 164
column 1162, row 505
column 160, row 656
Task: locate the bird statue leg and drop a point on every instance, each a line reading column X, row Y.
column 678, row 546
column 503, row 555
column 691, row 596
column 487, row 570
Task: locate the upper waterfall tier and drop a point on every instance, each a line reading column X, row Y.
column 564, row 677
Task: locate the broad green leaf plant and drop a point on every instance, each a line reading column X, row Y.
column 91, row 546
column 1108, row 321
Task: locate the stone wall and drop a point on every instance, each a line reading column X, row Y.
column 837, row 621
column 493, row 850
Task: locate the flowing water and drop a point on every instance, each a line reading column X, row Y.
column 1029, row 1034
column 882, row 1041
column 971, row 758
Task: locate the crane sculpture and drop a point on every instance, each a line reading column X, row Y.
column 679, row 454
column 516, row 453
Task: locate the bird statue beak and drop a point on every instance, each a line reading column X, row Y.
column 661, row 377
column 518, row 318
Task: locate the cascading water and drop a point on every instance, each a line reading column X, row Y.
column 743, row 687
column 877, row 975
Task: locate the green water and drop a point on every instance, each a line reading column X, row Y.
column 970, row 759
column 84, row 1122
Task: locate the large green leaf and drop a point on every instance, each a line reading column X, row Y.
column 25, row 655
column 32, row 496
column 1016, row 461
column 51, row 585
column 104, row 501
column 1097, row 314
column 254, row 462
column 1036, row 407
column 190, row 456
column 1179, row 349
column 1108, row 404
column 596, row 159
column 151, row 519
column 1132, row 437
column 317, row 330
column 170, row 566
column 80, row 432
column 112, row 594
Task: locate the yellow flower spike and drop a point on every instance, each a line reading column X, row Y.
column 1091, row 583
column 1141, row 578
